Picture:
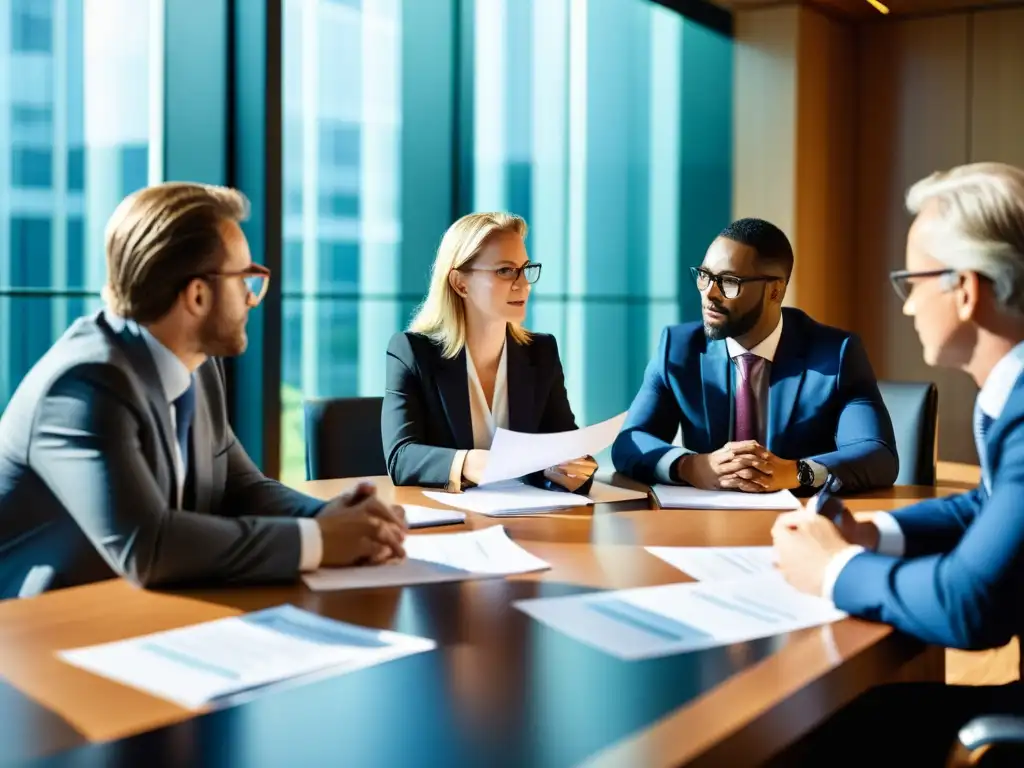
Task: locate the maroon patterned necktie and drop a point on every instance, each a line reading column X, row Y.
column 746, row 398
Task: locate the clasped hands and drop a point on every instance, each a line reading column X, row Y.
column 739, row 466
column 357, row 528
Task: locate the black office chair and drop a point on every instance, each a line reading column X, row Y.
column 343, row 438
column 914, row 409
column 989, row 741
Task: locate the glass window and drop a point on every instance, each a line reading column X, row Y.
column 80, row 116
column 578, row 125
column 342, row 173
column 32, row 26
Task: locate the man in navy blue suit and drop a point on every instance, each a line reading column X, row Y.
column 949, row 571
column 766, row 398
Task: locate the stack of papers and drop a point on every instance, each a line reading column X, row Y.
column 717, row 563
column 437, row 558
column 195, row 666
column 677, row 618
column 426, row 517
column 515, row 454
column 685, row 497
column 512, row 497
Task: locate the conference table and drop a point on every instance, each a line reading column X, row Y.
column 500, row 688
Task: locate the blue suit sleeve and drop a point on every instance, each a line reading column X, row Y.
column 935, row 526
column 966, row 598
column 651, row 424
column 865, row 455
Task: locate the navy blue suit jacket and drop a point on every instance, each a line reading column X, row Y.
column 823, row 404
column 962, row 577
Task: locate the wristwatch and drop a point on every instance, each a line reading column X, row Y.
column 804, row 474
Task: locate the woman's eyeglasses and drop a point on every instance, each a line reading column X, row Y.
column 530, row 272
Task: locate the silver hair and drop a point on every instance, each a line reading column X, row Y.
column 980, row 226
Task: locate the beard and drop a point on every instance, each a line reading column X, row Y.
column 222, row 335
column 734, row 325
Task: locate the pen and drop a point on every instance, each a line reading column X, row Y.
column 824, row 497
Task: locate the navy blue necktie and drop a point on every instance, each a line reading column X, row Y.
column 982, row 423
column 184, row 410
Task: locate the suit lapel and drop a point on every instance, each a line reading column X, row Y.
column 520, row 387
column 142, row 362
column 201, row 452
column 453, row 386
column 715, row 377
column 787, row 376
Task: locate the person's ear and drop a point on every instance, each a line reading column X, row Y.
column 196, row 298
column 458, row 283
column 967, row 296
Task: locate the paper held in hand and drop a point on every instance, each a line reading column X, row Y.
column 515, row 454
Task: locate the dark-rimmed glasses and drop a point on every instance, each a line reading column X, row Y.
column 256, row 278
column 903, row 280
column 729, row 285
column 531, row 272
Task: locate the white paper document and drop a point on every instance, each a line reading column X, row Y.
column 435, row 558
column 685, row 497
column 717, row 563
column 194, row 666
column 426, row 517
column 511, row 497
column 677, row 618
column 514, row 454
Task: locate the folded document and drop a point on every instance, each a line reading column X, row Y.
column 686, row 497
column 512, row 497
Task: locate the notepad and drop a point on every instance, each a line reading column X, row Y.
column 685, row 497
column 427, row 517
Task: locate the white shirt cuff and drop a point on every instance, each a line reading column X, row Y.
column 455, row 474
column 663, row 469
column 311, row 544
column 835, row 567
column 890, row 535
column 820, row 474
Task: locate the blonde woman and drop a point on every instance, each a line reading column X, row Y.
column 466, row 366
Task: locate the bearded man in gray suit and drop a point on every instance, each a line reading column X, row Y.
column 116, row 455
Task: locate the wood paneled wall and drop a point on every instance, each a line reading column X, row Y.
column 861, row 112
column 793, row 144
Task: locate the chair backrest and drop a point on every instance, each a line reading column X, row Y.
column 343, row 438
column 914, row 409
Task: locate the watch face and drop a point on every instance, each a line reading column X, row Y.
column 804, row 473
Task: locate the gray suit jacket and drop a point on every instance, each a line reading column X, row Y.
column 87, row 484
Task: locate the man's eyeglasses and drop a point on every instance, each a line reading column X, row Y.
column 903, row 280
column 256, row 278
column 531, row 272
column 729, row 285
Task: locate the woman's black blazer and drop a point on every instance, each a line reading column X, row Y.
column 426, row 416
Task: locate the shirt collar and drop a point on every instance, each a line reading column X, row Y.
column 175, row 376
column 997, row 387
column 766, row 348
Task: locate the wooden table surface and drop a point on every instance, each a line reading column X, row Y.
column 500, row 689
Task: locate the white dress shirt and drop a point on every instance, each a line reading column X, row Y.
column 991, row 400
column 486, row 420
column 765, row 349
column 175, row 378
